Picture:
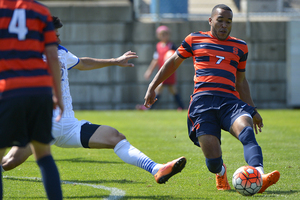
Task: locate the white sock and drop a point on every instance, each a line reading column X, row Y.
column 222, row 172
column 260, row 169
column 133, row 156
column 156, row 168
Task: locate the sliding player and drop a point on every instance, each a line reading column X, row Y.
column 69, row 132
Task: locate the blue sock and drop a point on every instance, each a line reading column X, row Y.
column 50, row 177
column 214, row 165
column 252, row 151
column 146, row 163
column 178, row 101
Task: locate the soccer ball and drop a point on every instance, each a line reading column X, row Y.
column 247, row 180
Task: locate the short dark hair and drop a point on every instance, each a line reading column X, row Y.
column 56, row 22
column 222, row 6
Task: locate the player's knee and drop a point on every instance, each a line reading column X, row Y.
column 121, row 136
column 214, row 165
column 116, row 136
column 247, row 136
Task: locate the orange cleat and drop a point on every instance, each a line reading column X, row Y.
column 268, row 180
column 222, row 181
column 170, row 169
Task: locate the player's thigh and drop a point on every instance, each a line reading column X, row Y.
column 2, row 151
column 18, row 153
column 105, row 137
column 240, row 123
column 203, row 120
column 235, row 115
column 39, row 149
column 210, row 146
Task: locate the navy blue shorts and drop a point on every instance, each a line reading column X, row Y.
column 209, row 114
column 86, row 132
column 25, row 118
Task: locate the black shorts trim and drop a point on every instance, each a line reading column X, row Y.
column 86, row 132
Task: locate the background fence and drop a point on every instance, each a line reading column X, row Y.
column 106, row 29
column 161, row 10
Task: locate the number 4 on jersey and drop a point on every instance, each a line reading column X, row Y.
column 17, row 24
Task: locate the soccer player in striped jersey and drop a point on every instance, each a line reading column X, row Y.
column 69, row 132
column 221, row 97
column 26, row 82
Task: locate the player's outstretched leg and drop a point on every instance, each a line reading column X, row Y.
column 222, row 181
column 170, row 169
column 15, row 157
column 108, row 137
column 133, row 156
column 269, row 179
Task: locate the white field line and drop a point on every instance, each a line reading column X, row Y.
column 115, row 193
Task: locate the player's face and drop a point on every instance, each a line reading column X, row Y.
column 57, row 35
column 164, row 36
column 220, row 23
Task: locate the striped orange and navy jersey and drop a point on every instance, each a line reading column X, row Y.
column 25, row 29
column 216, row 62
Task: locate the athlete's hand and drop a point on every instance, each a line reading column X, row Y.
column 257, row 122
column 122, row 61
column 60, row 104
column 149, row 98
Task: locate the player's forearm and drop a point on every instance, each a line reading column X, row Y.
column 87, row 63
column 244, row 91
column 164, row 72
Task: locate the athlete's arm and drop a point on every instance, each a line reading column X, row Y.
column 168, row 68
column 150, row 69
column 52, row 60
column 87, row 63
column 243, row 89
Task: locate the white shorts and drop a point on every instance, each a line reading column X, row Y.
column 66, row 132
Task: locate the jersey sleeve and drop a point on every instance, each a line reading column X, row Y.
column 243, row 60
column 185, row 50
column 71, row 60
column 49, row 33
column 173, row 47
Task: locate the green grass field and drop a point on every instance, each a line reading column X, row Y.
column 162, row 135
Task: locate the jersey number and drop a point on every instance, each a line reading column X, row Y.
column 220, row 59
column 17, row 24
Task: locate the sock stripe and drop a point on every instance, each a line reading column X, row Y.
column 145, row 163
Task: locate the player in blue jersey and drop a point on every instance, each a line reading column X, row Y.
column 69, row 132
column 221, row 98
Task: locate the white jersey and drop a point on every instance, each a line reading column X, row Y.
column 66, row 132
column 67, row 62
